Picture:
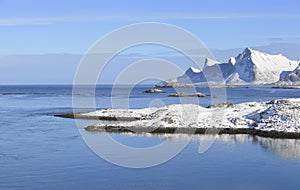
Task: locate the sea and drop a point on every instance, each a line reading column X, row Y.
column 41, row 151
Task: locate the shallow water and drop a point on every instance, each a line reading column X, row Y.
column 39, row 151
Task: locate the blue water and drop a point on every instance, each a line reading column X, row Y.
column 39, row 151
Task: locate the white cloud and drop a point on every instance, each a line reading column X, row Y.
column 135, row 17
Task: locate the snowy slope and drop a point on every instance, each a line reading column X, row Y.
column 276, row 115
column 261, row 68
column 290, row 78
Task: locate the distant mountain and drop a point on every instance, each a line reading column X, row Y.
column 249, row 67
column 291, row 78
column 193, row 75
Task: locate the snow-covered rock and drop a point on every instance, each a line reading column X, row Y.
column 277, row 115
column 182, row 94
column 154, row 90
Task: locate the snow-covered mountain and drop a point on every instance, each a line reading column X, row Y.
column 249, row 67
column 256, row 67
column 291, row 78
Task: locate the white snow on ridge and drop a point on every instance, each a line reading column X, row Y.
column 232, row 60
column 261, row 68
column 210, row 62
column 195, row 70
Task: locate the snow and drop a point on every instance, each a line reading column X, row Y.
column 195, row 70
column 232, row 60
column 261, row 68
column 282, row 116
column 210, row 62
column 290, row 78
column 115, row 113
column 278, row 115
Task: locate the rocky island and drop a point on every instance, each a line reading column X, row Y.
column 277, row 119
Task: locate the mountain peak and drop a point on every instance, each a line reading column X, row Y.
column 250, row 51
column 259, row 67
column 210, row 62
column 194, row 70
column 246, row 53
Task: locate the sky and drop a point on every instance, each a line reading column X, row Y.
column 28, row 26
column 34, row 27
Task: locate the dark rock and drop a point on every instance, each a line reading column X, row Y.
column 154, row 90
column 225, row 104
column 182, row 94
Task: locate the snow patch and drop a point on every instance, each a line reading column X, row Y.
column 195, row 70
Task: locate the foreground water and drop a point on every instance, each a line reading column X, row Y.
column 39, row 151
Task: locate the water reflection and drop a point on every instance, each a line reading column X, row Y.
column 285, row 148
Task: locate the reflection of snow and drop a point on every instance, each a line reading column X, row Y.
column 286, row 148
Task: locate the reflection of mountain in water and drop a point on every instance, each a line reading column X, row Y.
column 285, row 148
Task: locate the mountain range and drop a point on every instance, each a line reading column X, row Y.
column 250, row 67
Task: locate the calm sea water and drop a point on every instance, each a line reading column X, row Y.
column 39, row 151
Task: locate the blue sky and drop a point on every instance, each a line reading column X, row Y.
column 46, row 33
column 33, row 27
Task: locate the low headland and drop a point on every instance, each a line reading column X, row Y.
column 276, row 119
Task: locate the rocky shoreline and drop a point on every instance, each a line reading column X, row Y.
column 174, row 130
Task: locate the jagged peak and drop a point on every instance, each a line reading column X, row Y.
column 251, row 51
column 252, row 54
column 194, row 70
column 210, row 62
column 248, row 49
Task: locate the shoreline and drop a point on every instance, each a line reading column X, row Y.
column 190, row 131
column 94, row 117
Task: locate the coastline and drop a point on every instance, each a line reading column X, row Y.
column 174, row 130
column 275, row 119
